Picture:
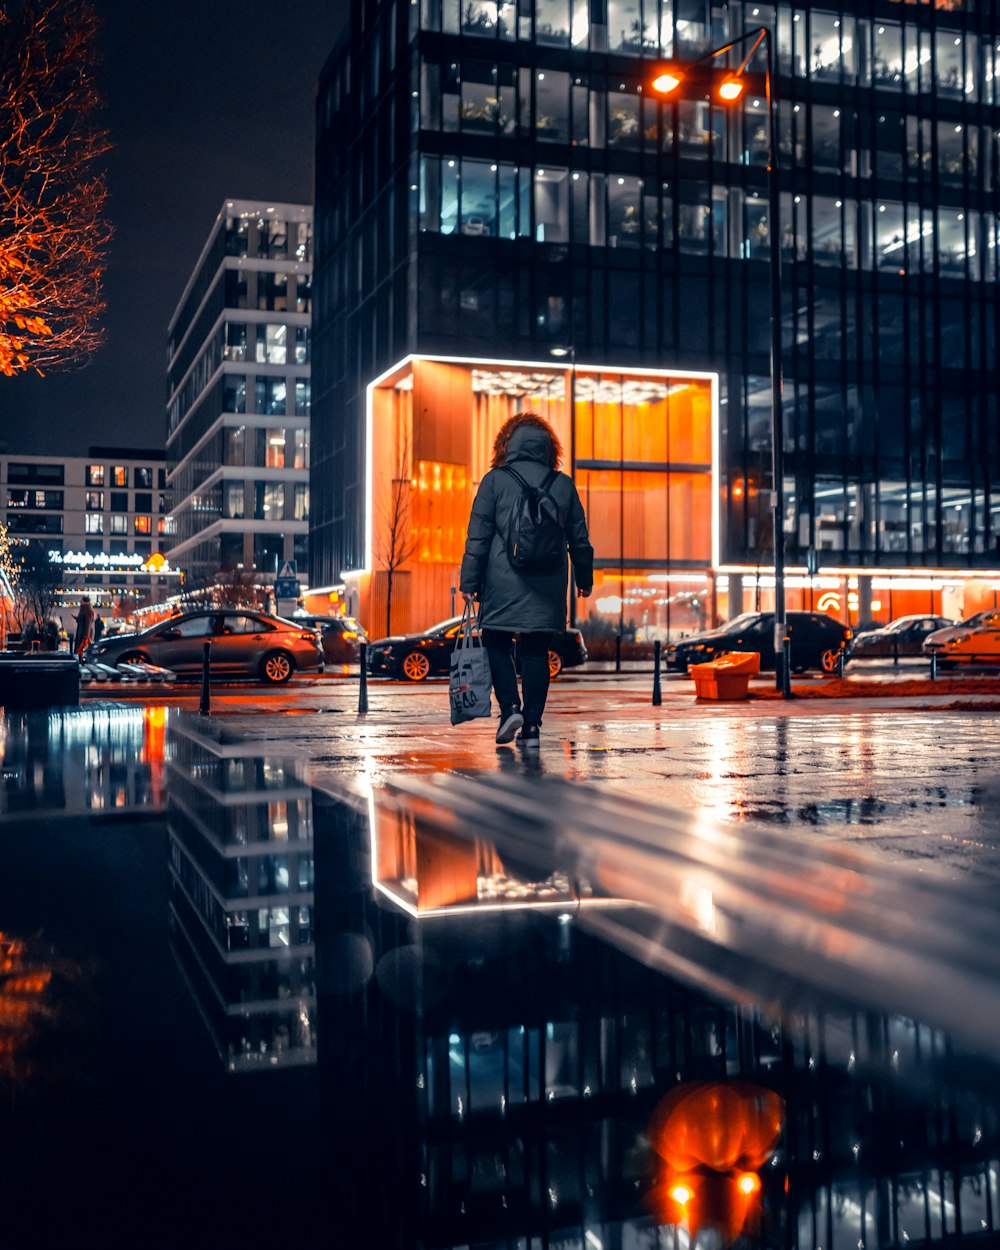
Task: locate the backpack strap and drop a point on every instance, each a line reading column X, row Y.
column 544, row 484
column 515, row 475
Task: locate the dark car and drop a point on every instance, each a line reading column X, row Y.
column 342, row 636
column 903, row 636
column 244, row 644
column 817, row 641
column 416, row 656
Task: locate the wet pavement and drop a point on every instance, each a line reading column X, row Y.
column 278, row 943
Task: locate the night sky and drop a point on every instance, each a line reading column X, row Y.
column 205, row 100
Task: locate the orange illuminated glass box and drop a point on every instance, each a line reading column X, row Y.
column 641, row 445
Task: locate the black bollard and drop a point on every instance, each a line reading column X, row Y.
column 363, row 687
column 657, row 695
column 895, row 652
column 786, row 667
column 933, row 666
column 206, row 660
column 618, row 653
column 841, row 661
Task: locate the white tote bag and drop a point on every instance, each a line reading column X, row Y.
column 469, row 683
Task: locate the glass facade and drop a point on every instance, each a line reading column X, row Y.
column 495, row 181
column 239, row 359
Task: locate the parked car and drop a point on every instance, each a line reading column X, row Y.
column 342, row 636
column 817, row 641
column 416, row 656
column 244, row 644
column 975, row 641
column 903, row 636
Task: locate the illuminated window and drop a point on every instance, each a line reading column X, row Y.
column 119, row 475
column 144, row 479
column 95, row 501
column 272, row 344
column 95, row 474
column 143, row 525
column 93, row 523
column 274, row 449
column 119, row 523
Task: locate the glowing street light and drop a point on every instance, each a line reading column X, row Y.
column 729, row 89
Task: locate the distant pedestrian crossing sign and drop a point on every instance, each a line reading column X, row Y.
column 286, row 571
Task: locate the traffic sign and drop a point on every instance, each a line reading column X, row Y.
column 287, row 588
column 287, row 572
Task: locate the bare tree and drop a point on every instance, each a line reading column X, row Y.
column 238, row 588
column 396, row 542
column 53, row 232
column 36, row 588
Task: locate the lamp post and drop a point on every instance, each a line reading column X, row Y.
column 561, row 353
column 730, row 88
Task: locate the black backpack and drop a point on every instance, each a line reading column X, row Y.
column 535, row 539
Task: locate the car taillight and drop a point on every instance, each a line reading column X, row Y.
column 309, row 636
column 349, row 633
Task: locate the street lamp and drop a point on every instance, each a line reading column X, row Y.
column 561, row 352
column 729, row 89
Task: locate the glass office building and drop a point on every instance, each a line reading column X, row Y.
column 238, row 395
column 496, row 183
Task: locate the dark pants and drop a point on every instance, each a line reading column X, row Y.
column 533, row 650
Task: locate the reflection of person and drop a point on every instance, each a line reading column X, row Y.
column 531, row 605
column 84, row 626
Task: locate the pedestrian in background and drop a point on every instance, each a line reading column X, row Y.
column 84, row 626
column 98, row 626
column 528, row 606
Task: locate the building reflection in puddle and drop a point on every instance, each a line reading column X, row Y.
column 241, row 898
column 92, row 761
column 493, row 1073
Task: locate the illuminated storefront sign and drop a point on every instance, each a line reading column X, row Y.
column 101, row 562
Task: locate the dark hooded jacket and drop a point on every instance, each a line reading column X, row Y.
column 523, row 602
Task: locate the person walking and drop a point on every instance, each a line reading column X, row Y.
column 526, row 603
column 84, row 626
